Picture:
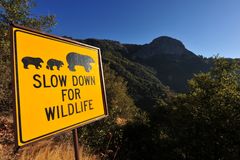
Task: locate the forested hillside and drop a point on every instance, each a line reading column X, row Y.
column 143, row 85
column 171, row 132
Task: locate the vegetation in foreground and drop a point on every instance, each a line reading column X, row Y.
column 56, row 148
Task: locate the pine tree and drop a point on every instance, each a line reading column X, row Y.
column 18, row 12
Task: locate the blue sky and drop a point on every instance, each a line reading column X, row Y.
column 206, row 27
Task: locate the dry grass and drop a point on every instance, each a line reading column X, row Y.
column 121, row 121
column 49, row 150
column 42, row 150
column 6, row 138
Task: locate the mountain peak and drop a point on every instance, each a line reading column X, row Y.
column 163, row 45
column 165, row 40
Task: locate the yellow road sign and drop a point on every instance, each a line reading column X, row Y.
column 59, row 84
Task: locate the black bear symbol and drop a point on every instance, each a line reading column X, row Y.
column 53, row 62
column 32, row 61
column 74, row 59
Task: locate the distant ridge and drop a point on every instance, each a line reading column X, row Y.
column 167, row 58
column 174, row 64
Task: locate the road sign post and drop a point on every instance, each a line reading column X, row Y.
column 58, row 85
column 75, row 143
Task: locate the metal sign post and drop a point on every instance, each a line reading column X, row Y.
column 75, row 143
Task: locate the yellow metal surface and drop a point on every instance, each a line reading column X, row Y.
column 58, row 85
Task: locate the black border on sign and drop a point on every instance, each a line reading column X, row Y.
column 17, row 115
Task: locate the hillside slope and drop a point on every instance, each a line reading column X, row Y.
column 142, row 82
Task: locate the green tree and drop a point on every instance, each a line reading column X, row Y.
column 18, row 12
column 107, row 135
column 206, row 121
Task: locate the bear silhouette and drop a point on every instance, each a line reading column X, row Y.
column 75, row 59
column 32, row 61
column 54, row 62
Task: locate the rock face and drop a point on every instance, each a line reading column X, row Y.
column 162, row 45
